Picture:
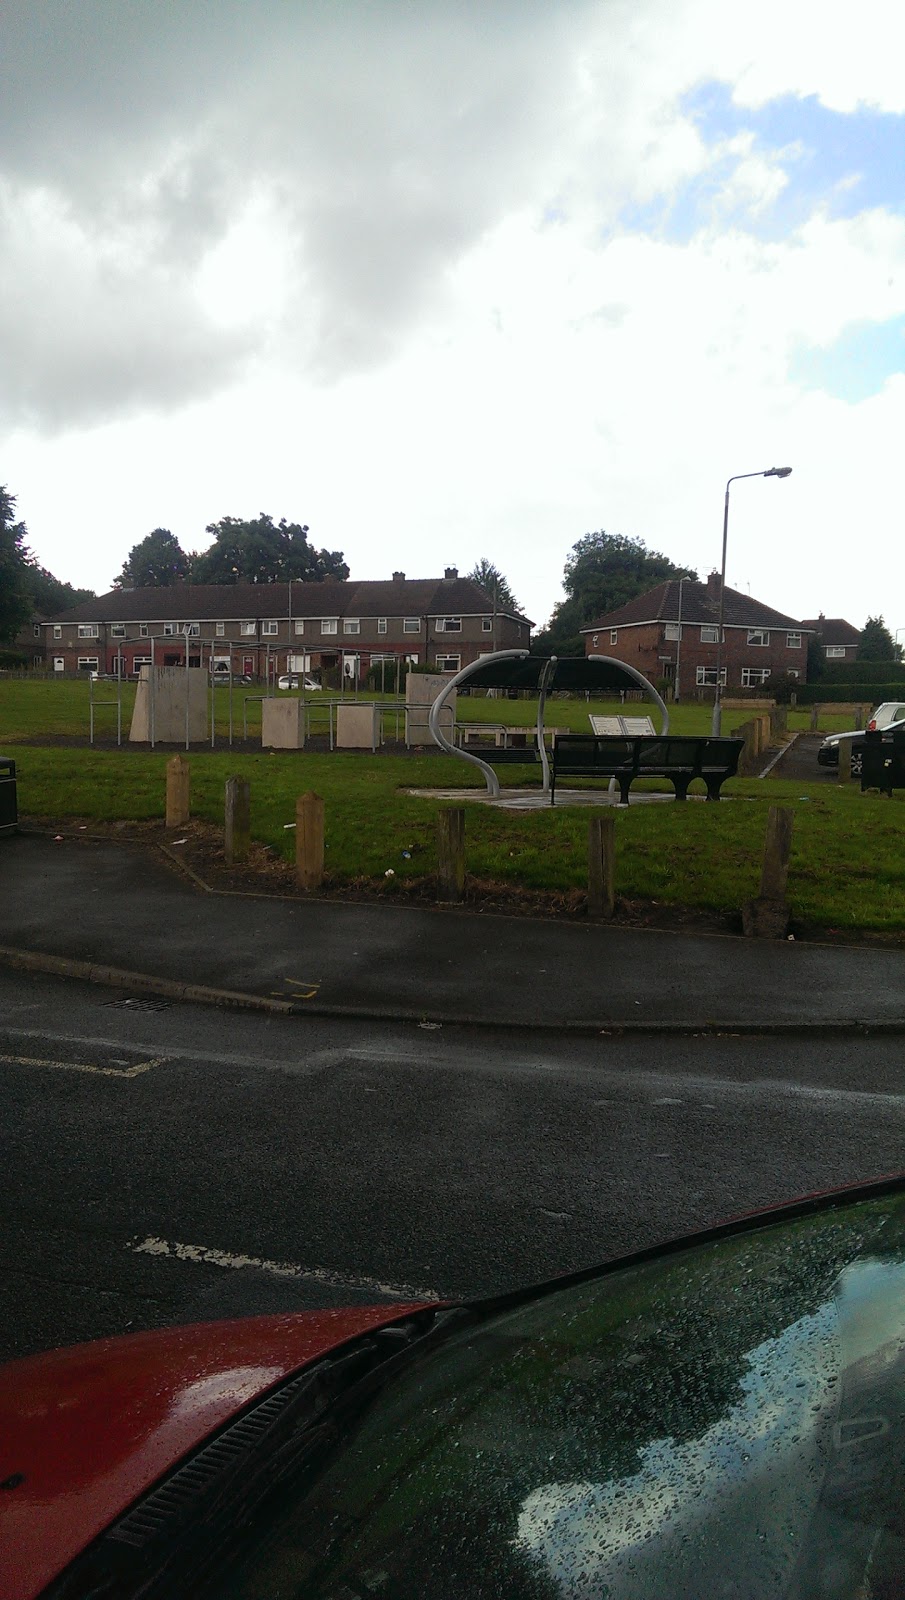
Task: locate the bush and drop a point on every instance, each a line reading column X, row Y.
column 823, row 693
column 781, row 686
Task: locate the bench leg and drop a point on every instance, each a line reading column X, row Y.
column 624, row 786
column 680, row 785
column 713, row 788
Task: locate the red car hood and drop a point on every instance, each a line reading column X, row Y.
column 85, row 1431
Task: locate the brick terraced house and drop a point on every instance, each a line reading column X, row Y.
column 273, row 628
column 663, row 632
column 838, row 639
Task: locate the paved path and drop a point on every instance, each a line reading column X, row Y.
column 119, row 907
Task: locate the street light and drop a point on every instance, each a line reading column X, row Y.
column 771, row 472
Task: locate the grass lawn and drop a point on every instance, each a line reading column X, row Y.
column 848, row 857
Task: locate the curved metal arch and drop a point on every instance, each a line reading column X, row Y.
column 433, row 721
column 643, row 683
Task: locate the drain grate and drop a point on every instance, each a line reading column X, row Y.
column 137, row 1004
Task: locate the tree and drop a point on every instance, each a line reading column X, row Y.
column 49, row 594
column 16, row 605
column 264, row 552
column 603, row 571
column 877, row 643
column 156, row 562
column 491, row 580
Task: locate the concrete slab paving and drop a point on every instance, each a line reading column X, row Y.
column 118, row 905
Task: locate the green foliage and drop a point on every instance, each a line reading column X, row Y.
column 854, row 693
column 780, row 686
column 156, row 562
column 603, row 571
column 860, row 671
column 51, row 595
column 877, row 643
column 817, row 662
column 16, row 604
column 491, row 580
column 261, row 551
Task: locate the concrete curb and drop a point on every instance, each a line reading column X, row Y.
column 120, row 978
column 203, row 994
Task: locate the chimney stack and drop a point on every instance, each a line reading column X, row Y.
column 713, row 586
column 451, row 572
column 398, row 577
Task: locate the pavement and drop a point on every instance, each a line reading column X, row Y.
column 119, row 915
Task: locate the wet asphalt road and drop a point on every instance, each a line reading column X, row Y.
column 181, row 1164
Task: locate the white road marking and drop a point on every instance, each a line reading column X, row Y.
column 83, row 1066
column 153, row 1246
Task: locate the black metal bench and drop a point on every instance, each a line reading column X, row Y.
column 680, row 757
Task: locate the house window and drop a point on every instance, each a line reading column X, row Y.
column 270, row 628
column 710, row 635
column 758, row 636
column 139, row 662
column 672, row 631
column 329, row 625
column 448, row 663
column 412, row 658
column 219, row 629
column 143, row 630
column 59, row 664
column 118, row 630
column 191, row 629
column 87, row 663
column 37, row 630
column 793, row 641
column 411, row 625
column 87, row 630
column 705, row 677
column 38, row 660
column 169, row 628
column 351, row 625
column 753, row 677
column 381, row 624
column 792, row 672
column 835, row 652
column 299, row 624
column 247, row 630
column 614, row 636
column 449, row 624
column 486, row 624
column 57, row 631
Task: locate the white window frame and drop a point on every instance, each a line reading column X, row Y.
column 614, row 636
column 169, row 629
column 192, row 630
column 411, row 624
column 270, row 627
column 448, row 663
column 710, row 633
column 88, row 664
column 329, row 625
column 487, row 627
column 754, row 677
column 117, row 630
column 138, row 662
column 351, row 625
column 143, row 630
column 834, row 652
column 759, row 638
column 37, row 630
column 299, row 625
column 793, row 641
column 705, row 677
column 57, row 631
column 219, row 629
column 248, row 630
column 59, row 663
column 792, row 672
column 381, row 625
column 672, row 630
column 88, row 630
column 449, row 624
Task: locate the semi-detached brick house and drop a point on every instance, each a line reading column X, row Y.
column 645, row 633
column 838, row 639
column 277, row 627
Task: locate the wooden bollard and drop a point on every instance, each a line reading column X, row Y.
column 845, row 760
column 178, row 774
column 601, row 865
column 450, row 853
column 767, row 917
column 237, row 820
column 814, row 718
column 309, row 840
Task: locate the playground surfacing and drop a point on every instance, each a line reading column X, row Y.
column 537, row 799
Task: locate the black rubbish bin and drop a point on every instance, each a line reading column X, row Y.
column 9, row 816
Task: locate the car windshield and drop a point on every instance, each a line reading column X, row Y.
column 724, row 1420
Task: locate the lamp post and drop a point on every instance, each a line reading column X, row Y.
column 675, row 692
column 771, row 472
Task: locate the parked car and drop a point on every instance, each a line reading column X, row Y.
column 721, row 1415
column 295, row 680
column 890, row 717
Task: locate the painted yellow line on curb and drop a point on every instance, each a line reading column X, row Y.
column 83, row 1066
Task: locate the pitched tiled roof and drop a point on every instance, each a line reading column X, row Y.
column 698, row 605
column 235, row 602
column 833, row 630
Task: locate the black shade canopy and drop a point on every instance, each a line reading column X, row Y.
column 570, row 672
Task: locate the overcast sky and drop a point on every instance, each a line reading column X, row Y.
column 447, row 279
